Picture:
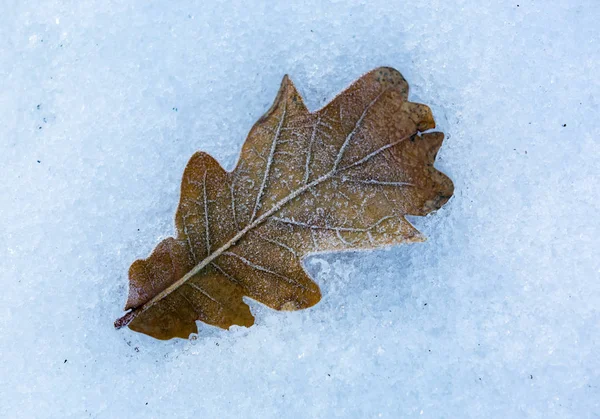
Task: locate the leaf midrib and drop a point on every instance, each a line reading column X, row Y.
column 128, row 317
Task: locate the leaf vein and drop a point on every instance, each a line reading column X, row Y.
column 269, row 163
column 263, row 269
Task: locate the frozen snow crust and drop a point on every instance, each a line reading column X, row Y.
column 102, row 103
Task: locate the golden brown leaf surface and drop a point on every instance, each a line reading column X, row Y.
column 340, row 178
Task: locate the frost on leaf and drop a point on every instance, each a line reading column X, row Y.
column 340, row 178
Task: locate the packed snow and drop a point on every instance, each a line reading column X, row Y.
column 497, row 315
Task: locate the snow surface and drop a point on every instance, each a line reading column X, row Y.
column 496, row 316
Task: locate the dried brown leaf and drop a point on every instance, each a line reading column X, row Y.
column 340, row 178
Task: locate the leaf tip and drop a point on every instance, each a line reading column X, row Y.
column 286, row 82
column 389, row 77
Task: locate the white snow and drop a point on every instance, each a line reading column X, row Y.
column 496, row 316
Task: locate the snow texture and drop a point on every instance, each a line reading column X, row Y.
column 497, row 315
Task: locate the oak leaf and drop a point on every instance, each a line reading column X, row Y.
column 340, row 178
